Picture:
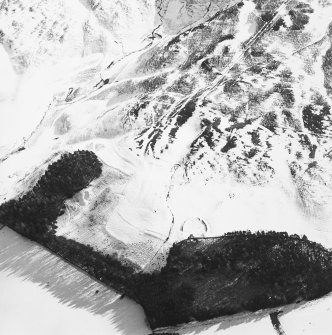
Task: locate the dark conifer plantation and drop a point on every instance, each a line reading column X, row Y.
column 35, row 213
column 203, row 278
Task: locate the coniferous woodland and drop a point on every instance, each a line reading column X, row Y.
column 36, row 212
column 203, row 278
column 206, row 278
column 34, row 215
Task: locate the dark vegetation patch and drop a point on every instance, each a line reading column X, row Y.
column 315, row 115
column 306, row 144
column 312, row 153
column 251, row 153
column 267, row 10
column 210, row 136
column 294, row 168
column 148, row 137
column 268, row 16
column 237, row 167
column 182, row 117
column 305, row 140
column 240, row 125
column 152, row 84
column 204, row 49
column 280, row 23
column 298, row 155
column 270, row 121
column 254, row 52
column 221, row 15
column 34, row 215
column 230, row 144
column 264, row 166
column 273, row 65
column 290, row 120
column 287, row 94
column 203, row 278
column 2, row 35
column 206, row 278
column 128, row 87
column 205, row 37
column 257, row 97
column 327, row 68
column 299, row 14
column 38, row 209
column 232, row 87
column 177, row 38
column 255, row 137
column 138, row 107
column 155, row 59
column 185, row 85
column 185, row 113
column 211, row 132
column 285, row 89
column 267, row 5
column 205, row 65
column 256, row 69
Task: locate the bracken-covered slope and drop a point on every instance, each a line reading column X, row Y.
column 214, row 117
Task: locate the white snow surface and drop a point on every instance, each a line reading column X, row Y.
column 67, row 301
column 41, row 294
column 161, row 179
column 147, row 199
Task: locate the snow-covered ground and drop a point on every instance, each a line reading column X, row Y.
column 311, row 318
column 162, row 178
column 161, row 181
column 41, row 294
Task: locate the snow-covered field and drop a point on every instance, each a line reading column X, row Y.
column 157, row 187
column 42, row 294
column 162, row 178
column 311, row 318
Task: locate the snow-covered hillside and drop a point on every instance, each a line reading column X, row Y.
column 48, row 31
column 208, row 117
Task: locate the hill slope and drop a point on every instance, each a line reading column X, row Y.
column 207, row 119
